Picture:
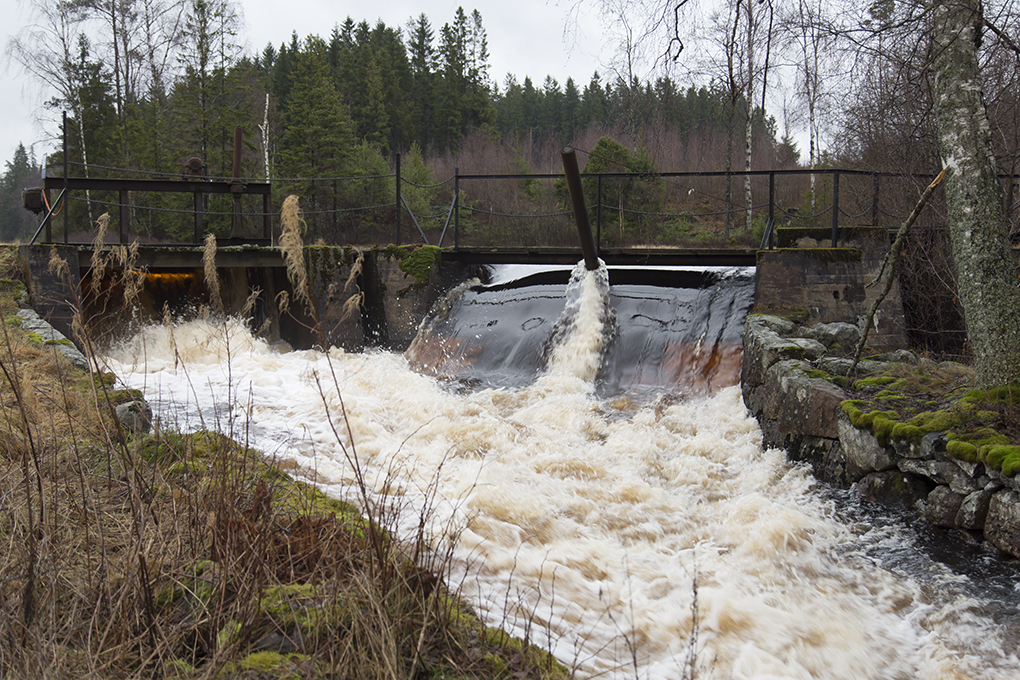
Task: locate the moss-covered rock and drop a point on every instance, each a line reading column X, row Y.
column 417, row 261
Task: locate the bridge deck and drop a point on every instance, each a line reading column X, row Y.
column 190, row 257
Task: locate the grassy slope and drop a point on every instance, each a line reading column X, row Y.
column 166, row 555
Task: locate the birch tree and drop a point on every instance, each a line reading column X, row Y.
column 986, row 272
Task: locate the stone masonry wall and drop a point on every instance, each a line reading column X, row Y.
column 800, row 411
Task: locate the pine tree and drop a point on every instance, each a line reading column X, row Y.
column 423, row 79
column 16, row 223
column 318, row 137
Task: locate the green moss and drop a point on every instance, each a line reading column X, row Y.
column 104, row 379
column 195, row 468
column 12, row 287
column 962, row 450
column 304, row 499
column 259, row 664
column 59, row 341
column 179, row 668
column 193, row 588
column 936, row 421
column 228, row 635
column 908, row 432
column 1011, row 465
column 816, row 374
column 419, row 262
column 998, row 453
column 882, row 424
column 290, row 605
column 854, row 409
column 974, row 445
column 873, row 381
column 797, row 314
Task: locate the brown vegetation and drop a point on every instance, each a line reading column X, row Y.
column 168, row 555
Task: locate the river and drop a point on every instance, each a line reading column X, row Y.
column 634, row 529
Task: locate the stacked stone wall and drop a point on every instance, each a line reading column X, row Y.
column 799, row 410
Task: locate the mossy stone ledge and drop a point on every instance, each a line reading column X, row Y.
column 909, row 431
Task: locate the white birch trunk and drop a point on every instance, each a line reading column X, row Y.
column 986, row 272
column 748, row 200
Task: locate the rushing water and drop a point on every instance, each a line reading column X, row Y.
column 605, row 521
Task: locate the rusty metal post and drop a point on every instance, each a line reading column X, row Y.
column 237, row 188
column 591, row 258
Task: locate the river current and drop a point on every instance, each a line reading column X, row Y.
column 635, row 534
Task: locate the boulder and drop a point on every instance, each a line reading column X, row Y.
column 799, row 403
column 1002, row 524
column 863, row 452
column 840, row 335
column 135, row 416
column 974, row 510
column 942, row 506
column 893, row 487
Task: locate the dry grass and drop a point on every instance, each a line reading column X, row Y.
column 168, row 555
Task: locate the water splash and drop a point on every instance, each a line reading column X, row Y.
column 587, row 524
column 583, row 330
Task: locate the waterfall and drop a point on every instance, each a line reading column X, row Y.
column 606, row 522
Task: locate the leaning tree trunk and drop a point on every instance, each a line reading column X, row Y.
column 986, row 273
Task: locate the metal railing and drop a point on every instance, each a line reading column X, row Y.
column 816, row 198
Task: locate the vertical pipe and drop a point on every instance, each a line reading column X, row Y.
column 456, row 207
column 573, row 175
column 396, row 156
column 835, row 209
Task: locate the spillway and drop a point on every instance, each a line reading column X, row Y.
column 612, row 506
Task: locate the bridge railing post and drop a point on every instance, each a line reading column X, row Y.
column 835, row 208
column 874, row 199
column 396, row 157
column 772, row 207
column 456, row 207
column 598, row 213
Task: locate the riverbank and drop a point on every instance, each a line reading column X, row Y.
column 901, row 429
column 136, row 553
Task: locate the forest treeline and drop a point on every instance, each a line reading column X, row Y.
column 342, row 105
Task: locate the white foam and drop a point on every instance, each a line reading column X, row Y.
column 582, row 525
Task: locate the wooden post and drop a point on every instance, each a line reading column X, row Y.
column 591, row 258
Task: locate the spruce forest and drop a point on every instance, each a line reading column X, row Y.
column 148, row 85
column 319, row 110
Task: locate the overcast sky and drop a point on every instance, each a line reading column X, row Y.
column 531, row 38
